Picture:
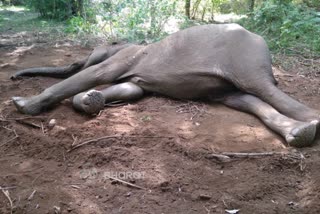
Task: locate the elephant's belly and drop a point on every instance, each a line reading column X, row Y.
column 185, row 87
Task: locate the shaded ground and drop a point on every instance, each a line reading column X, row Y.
column 156, row 146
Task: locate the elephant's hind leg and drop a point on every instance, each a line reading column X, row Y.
column 286, row 104
column 296, row 133
column 93, row 101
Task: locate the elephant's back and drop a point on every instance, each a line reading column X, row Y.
column 193, row 62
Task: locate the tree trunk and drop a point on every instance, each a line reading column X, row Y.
column 6, row 2
column 195, row 9
column 187, row 8
column 212, row 11
column 77, row 8
column 153, row 24
column 251, row 5
column 81, row 8
column 203, row 13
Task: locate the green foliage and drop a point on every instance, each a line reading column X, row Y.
column 312, row 3
column 285, row 25
column 20, row 19
column 59, row 9
column 235, row 6
column 135, row 20
column 78, row 24
column 55, row 9
column 12, row 2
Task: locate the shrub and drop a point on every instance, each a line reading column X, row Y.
column 136, row 19
column 286, row 25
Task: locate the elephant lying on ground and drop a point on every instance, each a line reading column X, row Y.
column 223, row 63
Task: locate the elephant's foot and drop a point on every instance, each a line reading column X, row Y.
column 90, row 102
column 27, row 105
column 303, row 135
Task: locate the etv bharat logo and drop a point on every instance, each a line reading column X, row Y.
column 125, row 175
column 93, row 173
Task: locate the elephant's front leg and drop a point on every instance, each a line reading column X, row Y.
column 93, row 101
column 102, row 73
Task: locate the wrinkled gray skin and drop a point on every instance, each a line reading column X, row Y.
column 223, row 63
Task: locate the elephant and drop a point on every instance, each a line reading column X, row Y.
column 222, row 63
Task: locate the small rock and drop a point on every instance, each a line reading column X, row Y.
column 59, row 128
column 204, row 197
column 57, row 210
column 132, row 181
column 200, row 195
column 232, row 211
column 291, row 203
column 4, row 65
column 7, row 102
column 52, row 123
column 219, row 157
column 164, row 184
column 114, row 182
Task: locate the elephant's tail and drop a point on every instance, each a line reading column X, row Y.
column 56, row 72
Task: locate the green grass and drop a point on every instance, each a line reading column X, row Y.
column 18, row 19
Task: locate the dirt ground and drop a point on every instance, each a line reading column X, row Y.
column 162, row 146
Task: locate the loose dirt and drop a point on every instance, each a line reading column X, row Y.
column 161, row 145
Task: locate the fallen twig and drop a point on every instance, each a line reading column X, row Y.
column 34, row 180
column 191, row 108
column 302, row 164
column 253, row 154
column 6, row 188
column 125, row 182
column 33, row 125
column 21, row 118
column 108, row 137
column 75, row 139
column 75, row 186
column 208, row 210
column 32, row 195
column 42, row 128
column 92, row 141
column 6, row 193
column 221, row 158
column 226, row 156
column 116, row 104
